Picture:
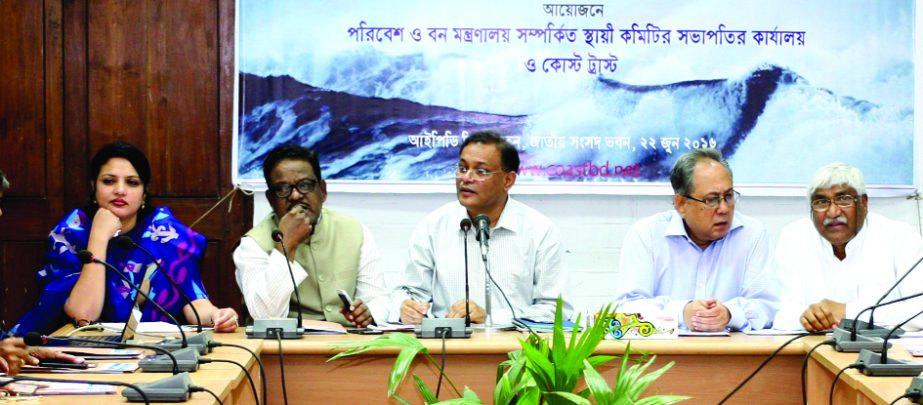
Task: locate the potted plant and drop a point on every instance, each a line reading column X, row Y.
column 542, row 371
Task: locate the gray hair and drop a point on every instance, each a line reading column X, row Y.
column 4, row 183
column 837, row 174
column 682, row 174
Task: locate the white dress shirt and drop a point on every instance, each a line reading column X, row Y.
column 662, row 269
column 524, row 259
column 875, row 258
column 267, row 287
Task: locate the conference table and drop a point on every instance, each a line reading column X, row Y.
column 227, row 381
column 852, row 387
column 704, row 368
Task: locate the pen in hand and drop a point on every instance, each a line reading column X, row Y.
column 413, row 298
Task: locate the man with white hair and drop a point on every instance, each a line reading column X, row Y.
column 843, row 259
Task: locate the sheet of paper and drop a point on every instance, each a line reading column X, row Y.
column 774, row 332
column 392, row 327
column 683, row 332
column 150, row 327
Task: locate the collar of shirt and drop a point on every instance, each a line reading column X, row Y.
column 509, row 220
column 676, row 226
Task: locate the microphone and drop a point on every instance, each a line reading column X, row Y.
column 876, row 364
column 852, row 341
column 202, row 339
column 87, row 257
column 36, row 339
column 155, row 363
column 869, row 328
column 483, row 227
column 465, row 227
column 279, row 328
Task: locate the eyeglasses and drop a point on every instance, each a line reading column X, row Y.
column 842, row 201
column 478, row 174
column 283, row 190
column 730, row 199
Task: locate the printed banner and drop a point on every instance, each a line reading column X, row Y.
column 596, row 96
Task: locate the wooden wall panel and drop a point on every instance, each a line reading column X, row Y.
column 78, row 74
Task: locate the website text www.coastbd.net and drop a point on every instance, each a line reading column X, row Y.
column 586, row 169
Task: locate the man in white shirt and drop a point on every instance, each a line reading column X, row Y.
column 702, row 261
column 843, row 259
column 524, row 258
column 326, row 250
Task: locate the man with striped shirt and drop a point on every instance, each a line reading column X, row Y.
column 523, row 264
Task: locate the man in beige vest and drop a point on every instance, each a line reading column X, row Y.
column 327, row 250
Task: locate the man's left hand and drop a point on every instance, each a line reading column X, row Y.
column 358, row 314
column 478, row 315
column 710, row 316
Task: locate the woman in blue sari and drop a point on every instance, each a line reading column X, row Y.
column 88, row 293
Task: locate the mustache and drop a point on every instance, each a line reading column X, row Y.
column 838, row 220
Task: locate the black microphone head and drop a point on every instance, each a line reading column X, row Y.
column 33, row 339
column 277, row 235
column 465, row 225
column 482, row 220
column 125, row 242
column 85, row 256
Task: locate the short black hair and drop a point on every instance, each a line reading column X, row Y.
column 290, row 152
column 509, row 156
column 133, row 155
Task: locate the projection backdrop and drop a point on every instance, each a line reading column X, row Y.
column 598, row 97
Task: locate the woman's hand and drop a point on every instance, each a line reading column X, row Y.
column 13, row 355
column 105, row 225
column 225, row 320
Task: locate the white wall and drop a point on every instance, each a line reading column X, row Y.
column 592, row 227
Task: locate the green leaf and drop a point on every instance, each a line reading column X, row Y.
column 661, row 400
column 597, row 385
column 462, row 401
column 401, row 400
column 401, row 367
column 398, row 340
column 563, row 397
column 427, row 393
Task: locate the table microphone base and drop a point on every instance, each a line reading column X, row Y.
column 186, row 360
column 844, row 344
column 863, row 329
column 435, row 328
column 893, row 368
column 174, row 388
column 279, row 328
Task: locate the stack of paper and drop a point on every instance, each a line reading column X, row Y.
column 524, row 324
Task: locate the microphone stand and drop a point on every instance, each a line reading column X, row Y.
column 156, row 363
column 450, row 327
column 202, row 339
column 465, row 226
column 852, row 341
column 279, row 328
column 483, row 225
column 869, row 328
column 878, row 364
